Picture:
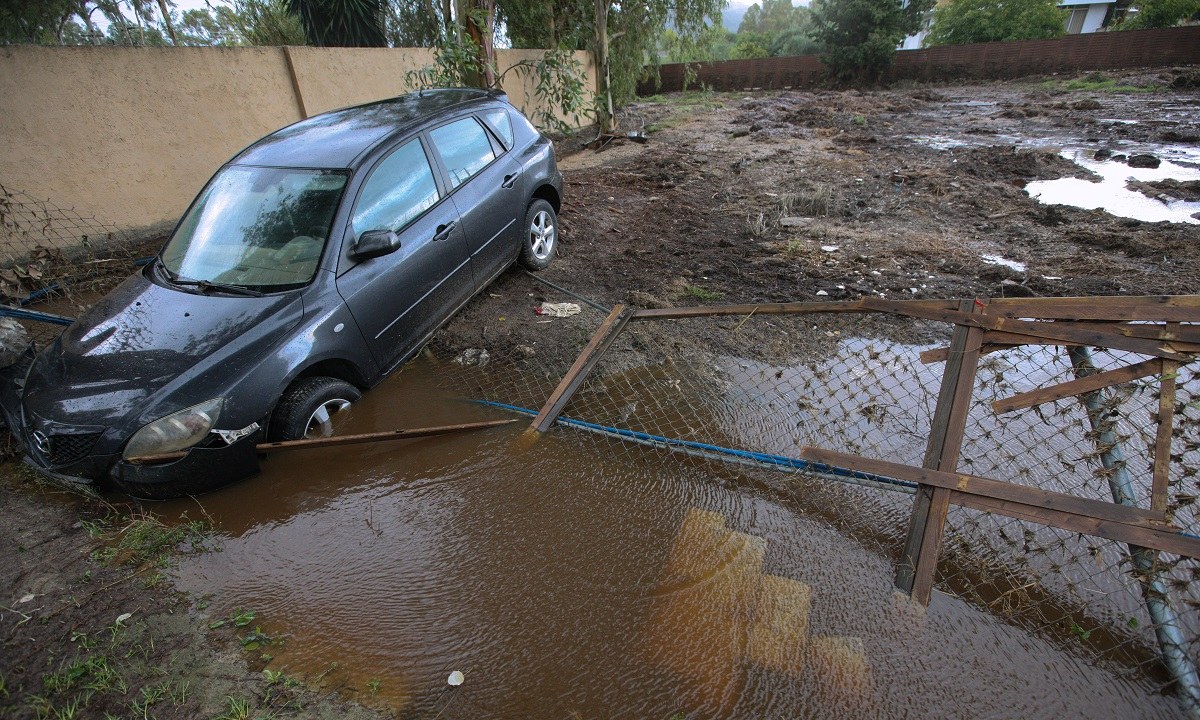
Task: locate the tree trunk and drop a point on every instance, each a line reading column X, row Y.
column 447, row 16
column 162, row 6
column 605, row 113
column 483, row 11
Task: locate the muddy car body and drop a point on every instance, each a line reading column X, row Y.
column 315, row 262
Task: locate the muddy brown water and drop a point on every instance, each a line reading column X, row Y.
column 564, row 582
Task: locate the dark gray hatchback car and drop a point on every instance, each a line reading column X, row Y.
column 312, row 264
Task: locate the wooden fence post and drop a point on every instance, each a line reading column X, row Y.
column 919, row 561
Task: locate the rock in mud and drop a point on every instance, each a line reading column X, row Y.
column 1143, row 160
column 1088, row 104
column 473, row 357
column 14, row 339
column 1103, row 154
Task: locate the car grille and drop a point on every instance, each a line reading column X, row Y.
column 66, row 449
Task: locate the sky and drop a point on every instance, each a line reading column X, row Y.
column 730, row 18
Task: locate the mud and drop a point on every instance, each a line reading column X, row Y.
column 897, row 193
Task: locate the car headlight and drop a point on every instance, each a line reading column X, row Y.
column 175, row 432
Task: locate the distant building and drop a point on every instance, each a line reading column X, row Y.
column 1087, row 16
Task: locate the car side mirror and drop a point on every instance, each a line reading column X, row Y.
column 375, row 243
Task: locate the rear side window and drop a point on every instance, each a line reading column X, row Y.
column 464, row 147
column 501, row 124
column 400, row 188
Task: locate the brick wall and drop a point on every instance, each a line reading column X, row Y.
column 1093, row 51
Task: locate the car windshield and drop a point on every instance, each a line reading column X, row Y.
column 256, row 227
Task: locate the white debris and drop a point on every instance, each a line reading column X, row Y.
column 456, row 678
column 26, row 598
column 559, row 309
column 830, row 248
column 122, row 618
column 1010, row 264
column 821, row 292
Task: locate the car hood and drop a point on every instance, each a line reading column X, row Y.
column 143, row 340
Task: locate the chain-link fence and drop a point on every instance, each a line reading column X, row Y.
column 57, row 260
column 746, row 394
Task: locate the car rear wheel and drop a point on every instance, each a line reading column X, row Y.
column 307, row 408
column 541, row 235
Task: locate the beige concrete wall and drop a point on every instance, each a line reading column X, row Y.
column 130, row 135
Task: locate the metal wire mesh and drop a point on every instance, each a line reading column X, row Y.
column 58, row 260
column 746, row 394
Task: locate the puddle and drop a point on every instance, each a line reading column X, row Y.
column 1111, row 193
column 564, row 581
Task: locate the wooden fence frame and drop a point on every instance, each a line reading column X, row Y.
column 1148, row 325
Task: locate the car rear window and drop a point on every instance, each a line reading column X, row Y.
column 501, row 124
column 464, row 148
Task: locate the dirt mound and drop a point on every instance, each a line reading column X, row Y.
column 1000, row 162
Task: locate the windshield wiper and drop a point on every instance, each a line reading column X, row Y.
column 205, row 286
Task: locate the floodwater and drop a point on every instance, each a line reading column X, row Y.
column 564, row 579
column 1112, row 194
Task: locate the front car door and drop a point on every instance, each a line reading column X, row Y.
column 486, row 188
column 399, row 299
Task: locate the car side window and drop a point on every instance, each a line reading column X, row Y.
column 464, row 148
column 501, row 124
column 400, row 188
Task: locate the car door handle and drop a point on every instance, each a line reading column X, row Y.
column 444, row 231
column 510, row 180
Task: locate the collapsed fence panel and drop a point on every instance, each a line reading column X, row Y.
column 829, row 404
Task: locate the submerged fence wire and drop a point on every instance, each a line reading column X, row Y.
column 766, row 386
column 55, row 259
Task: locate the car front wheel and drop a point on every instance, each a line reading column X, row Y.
column 541, row 236
column 307, row 408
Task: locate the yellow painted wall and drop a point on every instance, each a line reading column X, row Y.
column 130, row 135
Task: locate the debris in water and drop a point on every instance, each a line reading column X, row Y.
column 473, row 357
column 456, row 678
column 1112, row 193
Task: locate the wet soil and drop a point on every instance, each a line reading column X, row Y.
column 82, row 635
column 823, row 195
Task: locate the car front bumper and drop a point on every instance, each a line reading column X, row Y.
column 200, row 470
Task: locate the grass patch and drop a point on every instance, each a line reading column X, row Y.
column 700, row 293
column 145, row 539
column 1094, row 83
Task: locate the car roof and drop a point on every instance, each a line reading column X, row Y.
column 338, row 139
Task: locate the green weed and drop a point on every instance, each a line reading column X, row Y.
column 235, row 709
column 703, row 294
column 373, row 685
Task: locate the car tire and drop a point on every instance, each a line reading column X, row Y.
column 540, row 239
column 306, row 406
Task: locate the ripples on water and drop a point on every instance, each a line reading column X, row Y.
column 565, row 582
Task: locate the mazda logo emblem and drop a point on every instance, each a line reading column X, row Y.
column 41, row 442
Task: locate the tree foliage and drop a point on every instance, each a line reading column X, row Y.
column 342, row 23
column 970, row 21
column 1159, row 14
column 859, row 37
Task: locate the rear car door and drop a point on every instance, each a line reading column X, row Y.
column 398, row 299
column 486, row 187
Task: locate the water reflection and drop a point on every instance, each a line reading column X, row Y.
column 1112, row 193
column 566, row 582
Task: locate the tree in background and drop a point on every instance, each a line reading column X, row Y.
column 971, row 21
column 342, row 23
column 1159, row 14
column 859, row 37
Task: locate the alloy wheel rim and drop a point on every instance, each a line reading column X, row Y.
column 542, row 235
column 320, row 423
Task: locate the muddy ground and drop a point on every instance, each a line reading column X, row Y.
column 694, row 216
